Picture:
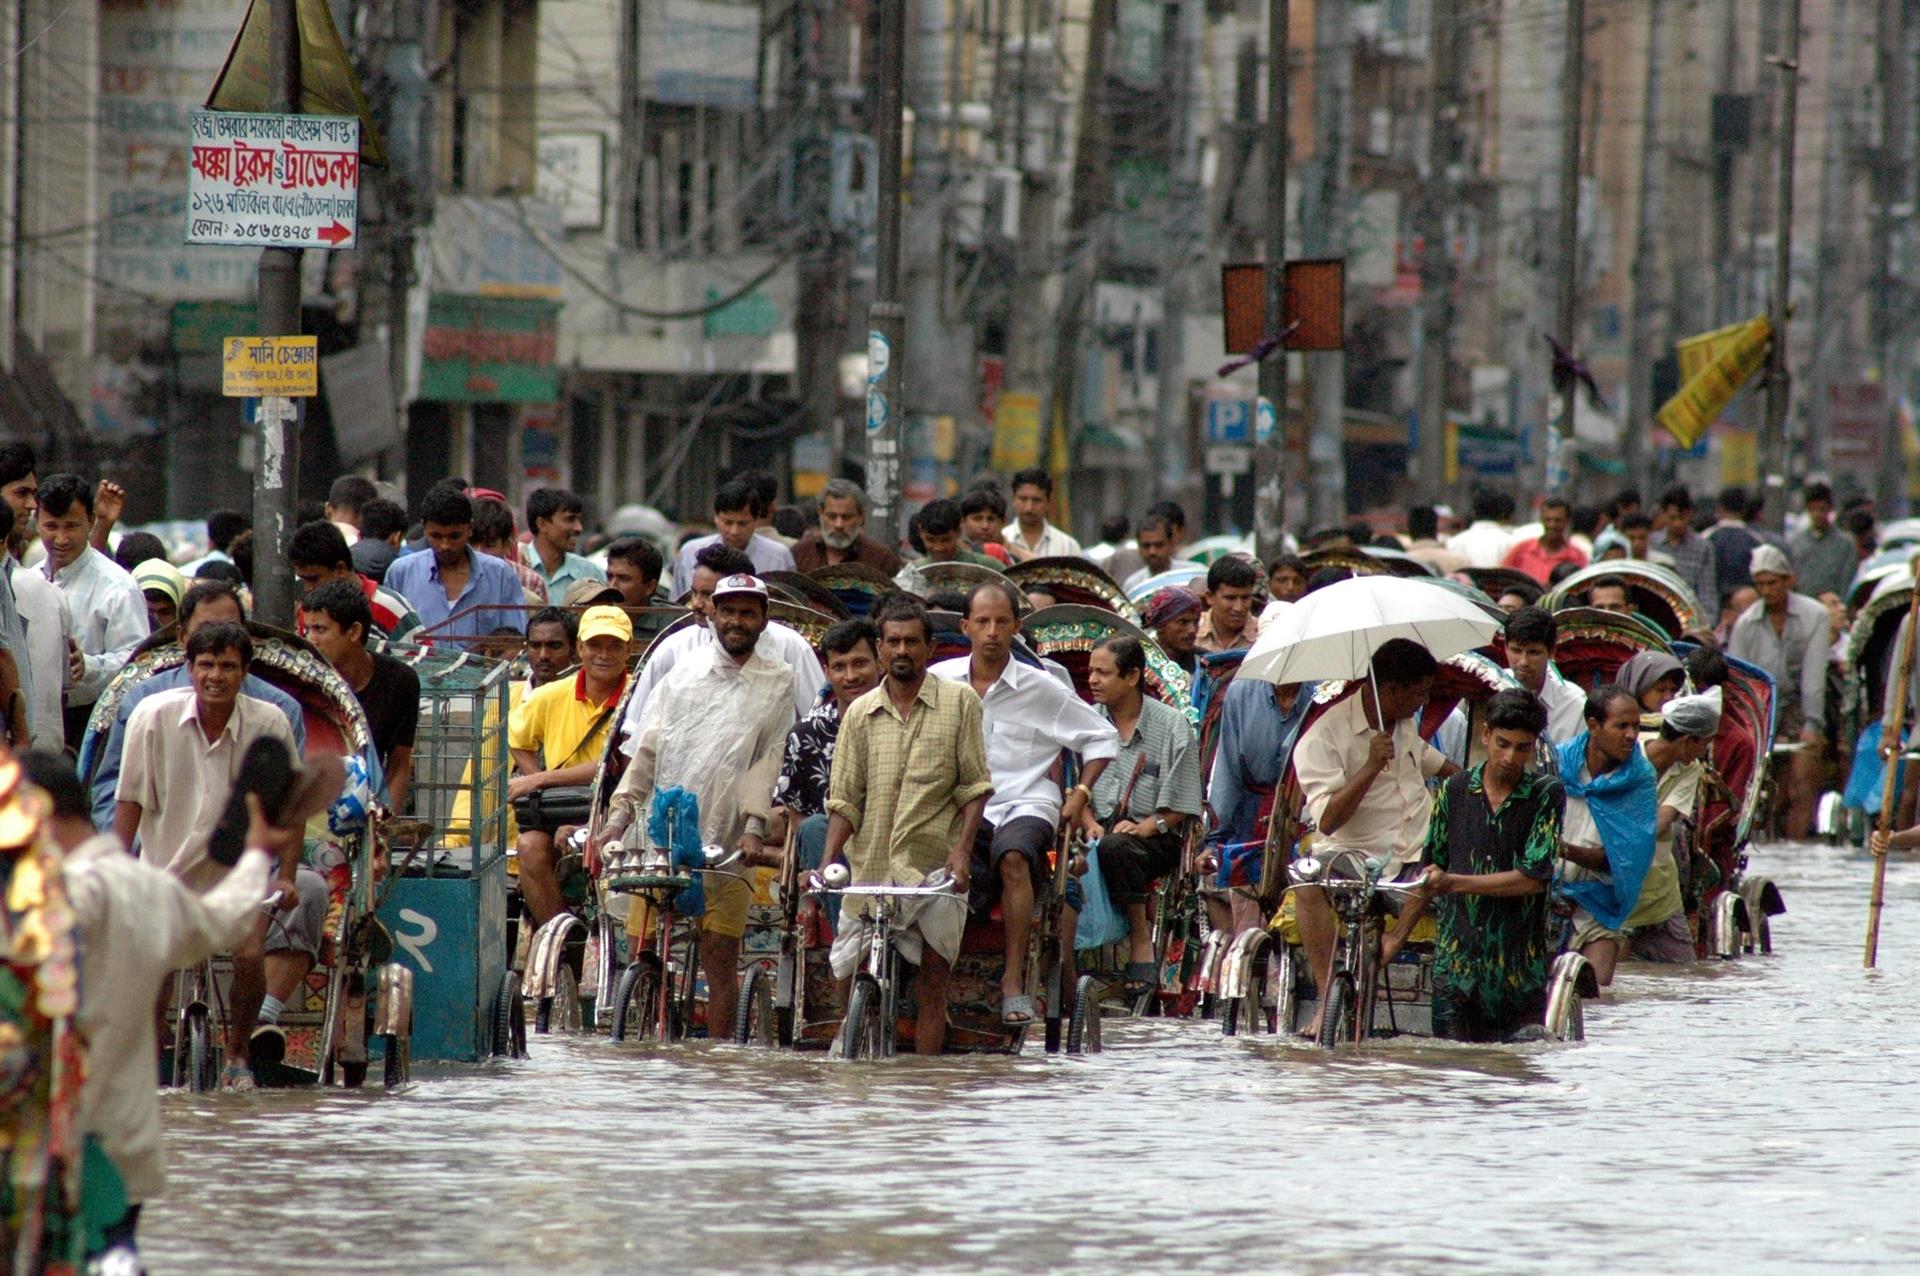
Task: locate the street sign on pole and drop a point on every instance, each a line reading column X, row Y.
column 273, row 181
column 266, row 367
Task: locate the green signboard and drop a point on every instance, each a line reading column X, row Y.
column 489, row 350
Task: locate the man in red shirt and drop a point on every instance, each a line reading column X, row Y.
column 1539, row 556
column 318, row 553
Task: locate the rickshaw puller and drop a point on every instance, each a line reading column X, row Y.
column 716, row 728
column 1363, row 768
column 1031, row 718
column 910, row 784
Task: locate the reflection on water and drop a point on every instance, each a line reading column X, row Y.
column 1756, row 1115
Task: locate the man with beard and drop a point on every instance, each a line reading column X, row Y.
column 910, row 784
column 716, row 728
column 778, row 643
column 841, row 536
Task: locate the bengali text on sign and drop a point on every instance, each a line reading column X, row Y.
column 275, row 181
column 261, row 367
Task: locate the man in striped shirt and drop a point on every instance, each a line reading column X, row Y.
column 318, row 553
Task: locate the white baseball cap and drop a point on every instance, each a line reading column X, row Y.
column 742, row 584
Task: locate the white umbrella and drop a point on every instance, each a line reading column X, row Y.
column 1333, row 632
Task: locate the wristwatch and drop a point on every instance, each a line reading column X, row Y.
column 1160, row 824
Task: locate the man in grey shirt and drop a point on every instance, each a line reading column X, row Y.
column 1788, row 634
column 1824, row 557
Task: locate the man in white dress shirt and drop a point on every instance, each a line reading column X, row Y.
column 108, row 611
column 1487, row 539
column 1030, row 718
column 1030, row 534
column 778, row 643
column 43, row 611
column 734, row 513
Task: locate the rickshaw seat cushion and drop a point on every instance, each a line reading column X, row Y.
column 1287, row 928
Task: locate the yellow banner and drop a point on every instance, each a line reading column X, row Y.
column 1697, row 352
column 259, row 367
column 1016, row 431
column 1707, row 392
column 328, row 83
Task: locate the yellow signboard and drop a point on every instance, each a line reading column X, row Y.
column 1696, row 353
column 1707, row 392
column 1016, row 431
column 266, row 367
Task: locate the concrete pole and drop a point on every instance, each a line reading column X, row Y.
column 1436, row 264
column 277, row 455
column 886, row 317
column 1645, row 276
column 1186, row 213
column 1567, row 310
column 1327, row 369
column 1268, row 502
column 1779, row 385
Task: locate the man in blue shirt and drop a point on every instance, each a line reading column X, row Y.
column 1259, row 723
column 208, row 602
column 458, row 593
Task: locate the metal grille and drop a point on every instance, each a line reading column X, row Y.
column 460, row 759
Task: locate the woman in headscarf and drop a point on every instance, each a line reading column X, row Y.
column 1654, row 677
column 1173, row 614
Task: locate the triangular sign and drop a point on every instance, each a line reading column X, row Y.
column 328, row 85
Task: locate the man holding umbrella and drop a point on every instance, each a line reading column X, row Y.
column 1363, row 769
column 1362, row 765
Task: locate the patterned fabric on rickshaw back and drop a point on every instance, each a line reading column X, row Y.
column 1073, row 580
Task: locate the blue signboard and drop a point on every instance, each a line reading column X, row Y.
column 1229, row 421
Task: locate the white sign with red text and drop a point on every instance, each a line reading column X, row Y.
column 273, row 181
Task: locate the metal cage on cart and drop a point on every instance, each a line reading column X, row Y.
column 448, row 909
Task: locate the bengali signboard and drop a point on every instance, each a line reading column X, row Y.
column 262, row 367
column 273, row 181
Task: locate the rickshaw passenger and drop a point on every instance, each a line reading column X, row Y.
column 1363, row 770
column 716, row 728
column 209, row 602
column 1652, row 678
column 183, row 755
column 1228, row 623
column 910, row 783
column 1532, row 637
column 1259, row 723
column 806, row 771
column 1031, row 718
column 779, row 645
column 1608, row 833
column 557, row 737
column 1658, row 929
column 453, row 586
column 318, row 554
column 1142, row 802
column 1489, row 857
column 337, row 621
column 1173, row 614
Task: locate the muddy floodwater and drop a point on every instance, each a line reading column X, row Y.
column 1757, row 1115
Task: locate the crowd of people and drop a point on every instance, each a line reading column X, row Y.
column 865, row 750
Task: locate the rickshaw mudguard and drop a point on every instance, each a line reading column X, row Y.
column 1726, row 920
column 1572, row 978
column 1237, row 965
column 547, row 951
column 393, row 1005
column 1763, row 898
column 1212, row 951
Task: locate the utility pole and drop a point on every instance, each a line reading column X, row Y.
column 277, row 454
column 1833, row 240
column 939, row 352
column 1891, row 178
column 1268, row 503
column 1325, row 235
column 1436, row 263
column 1567, row 310
column 1640, row 341
column 1724, row 267
column 1779, row 386
column 1186, row 211
column 886, row 317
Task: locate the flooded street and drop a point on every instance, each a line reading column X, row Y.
column 1755, row 1116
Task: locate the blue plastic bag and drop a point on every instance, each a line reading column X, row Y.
column 674, row 823
column 1100, row 922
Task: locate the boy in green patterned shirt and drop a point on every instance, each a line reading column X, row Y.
column 1489, row 856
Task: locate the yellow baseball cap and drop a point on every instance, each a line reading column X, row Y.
column 605, row 622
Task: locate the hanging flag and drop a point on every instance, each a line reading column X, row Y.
column 1706, row 392
column 1696, row 353
column 328, row 83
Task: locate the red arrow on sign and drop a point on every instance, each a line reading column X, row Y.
column 335, row 234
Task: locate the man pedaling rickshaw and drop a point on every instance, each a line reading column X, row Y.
column 716, row 728
column 1363, row 770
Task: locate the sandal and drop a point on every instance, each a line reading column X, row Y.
column 1141, row 977
column 1017, row 1012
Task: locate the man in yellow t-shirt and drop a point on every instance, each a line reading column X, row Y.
column 557, row 737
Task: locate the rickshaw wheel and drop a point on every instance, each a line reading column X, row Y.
column 861, row 1034
column 1083, row 1029
column 1577, row 1019
column 510, row 1020
column 560, row 1012
column 1339, row 1009
column 637, row 1000
column 203, row 1061
column 753, row 1022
